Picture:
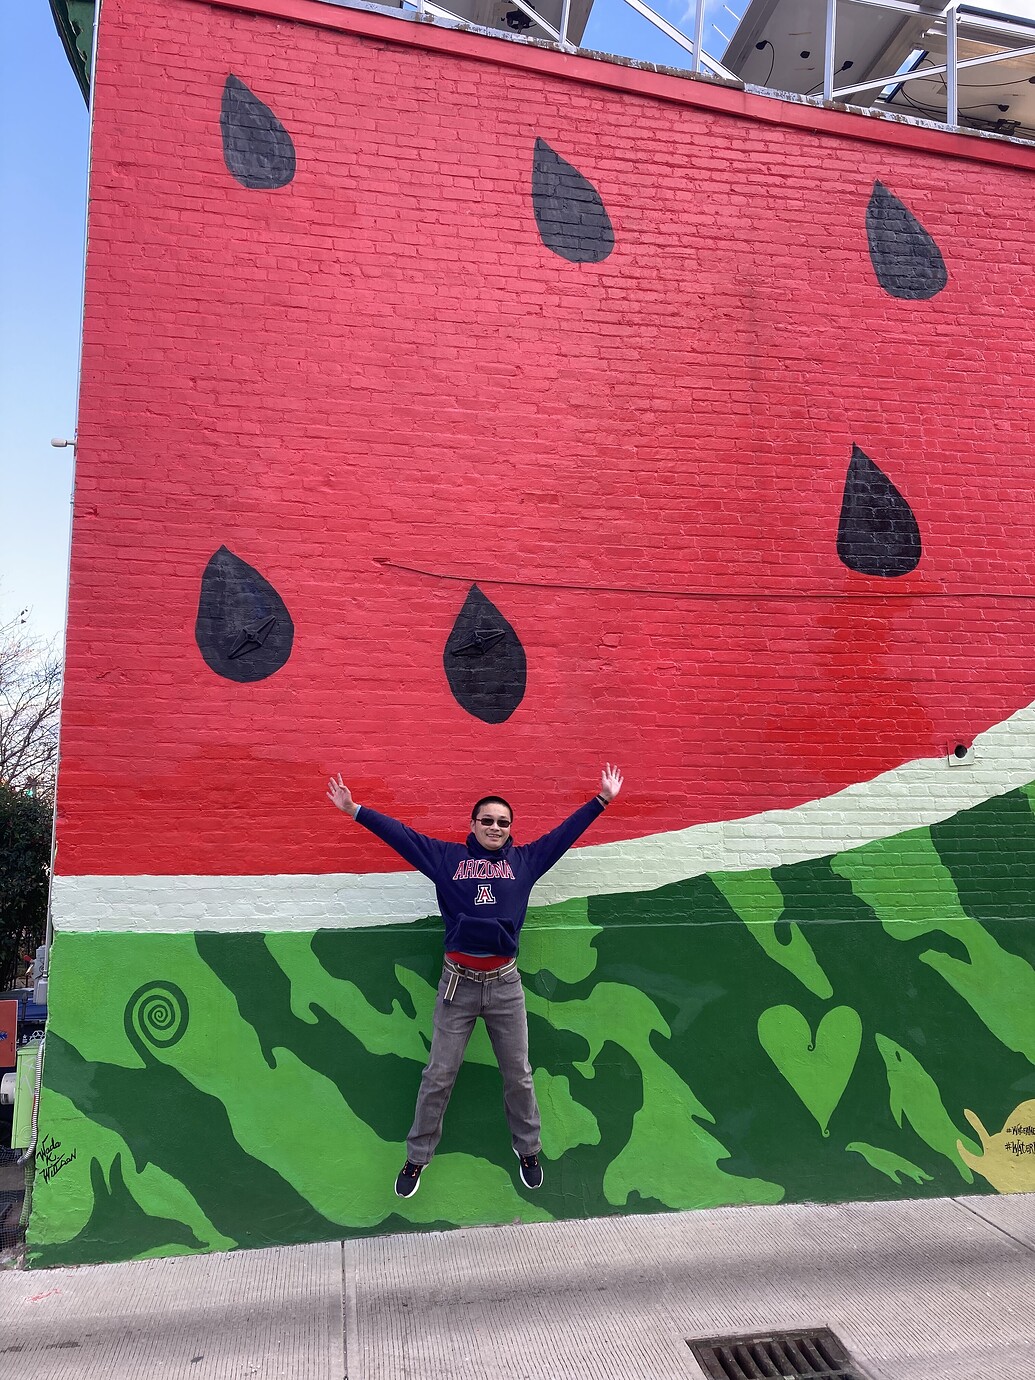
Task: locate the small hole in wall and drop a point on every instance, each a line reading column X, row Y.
column 960, row 750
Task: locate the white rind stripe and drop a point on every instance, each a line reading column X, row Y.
column 909, row 797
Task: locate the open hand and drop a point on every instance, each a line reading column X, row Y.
column 340, row 795
column 610, row 781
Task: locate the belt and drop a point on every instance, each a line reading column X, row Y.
column 457, row 971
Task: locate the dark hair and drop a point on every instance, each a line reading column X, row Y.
column 493, row 800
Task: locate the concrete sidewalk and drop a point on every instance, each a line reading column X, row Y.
column 936, row 1290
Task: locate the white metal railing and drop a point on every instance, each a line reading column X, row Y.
column 694, row 46
column 955, row 21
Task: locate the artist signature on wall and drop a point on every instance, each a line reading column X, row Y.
column 50, row 1158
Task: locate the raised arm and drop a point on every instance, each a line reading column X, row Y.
column 424, row 853
column 542, row 853
column 340, row 795
column 611, row 780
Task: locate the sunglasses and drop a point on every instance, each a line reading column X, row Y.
column 487, row 822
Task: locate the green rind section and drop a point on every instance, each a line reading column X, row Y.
column 913, row 894
column 759, row 902
column 566, row 1123
column 823, row 1032
column 669, row 1155
column 102, row 1234
column 557, row 942
column 914, row 1097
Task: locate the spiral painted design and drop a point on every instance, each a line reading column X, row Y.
column 157, row 1014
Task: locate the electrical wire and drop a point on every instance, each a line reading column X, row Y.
column 750, row 595
column 848, row 62
column 997, row 85
column 930, row 112
column 772, row 61
column 980, row 122
column 973, row 121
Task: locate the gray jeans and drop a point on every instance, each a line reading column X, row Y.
column 501, row 1005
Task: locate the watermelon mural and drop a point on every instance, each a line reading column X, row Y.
column 456, row 415
column 806, row 1033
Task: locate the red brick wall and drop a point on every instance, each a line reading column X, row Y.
column 639, row 461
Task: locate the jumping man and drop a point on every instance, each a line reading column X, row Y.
column 483, row 887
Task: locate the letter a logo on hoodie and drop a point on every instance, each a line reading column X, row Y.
column 485, row 897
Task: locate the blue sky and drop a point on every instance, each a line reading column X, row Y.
column 43, row 192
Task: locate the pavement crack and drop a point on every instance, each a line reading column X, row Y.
column 1019, row 1241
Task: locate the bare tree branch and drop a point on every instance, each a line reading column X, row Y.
column 30, row 696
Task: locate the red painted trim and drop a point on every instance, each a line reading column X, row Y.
column 617, row 76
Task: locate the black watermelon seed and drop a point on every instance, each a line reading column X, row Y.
column 243, row 628
column 905, row 258
column 568, row 209
column 257, row 148
column 877, row 533
column 484, row 661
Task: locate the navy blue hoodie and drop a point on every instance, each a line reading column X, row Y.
column 482, row 893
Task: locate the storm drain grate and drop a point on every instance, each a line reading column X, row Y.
column 813, row 1355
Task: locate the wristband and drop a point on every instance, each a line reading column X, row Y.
column 602, row 800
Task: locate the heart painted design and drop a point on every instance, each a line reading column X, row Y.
column 818, row 1069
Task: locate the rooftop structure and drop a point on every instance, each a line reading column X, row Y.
column 894, row 55
column 960, row 65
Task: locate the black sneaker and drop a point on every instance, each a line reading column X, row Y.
column 531, row 1170
column 408, row 1182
